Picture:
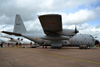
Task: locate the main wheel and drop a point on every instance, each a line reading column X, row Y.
column 80, row 47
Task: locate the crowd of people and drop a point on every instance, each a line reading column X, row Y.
column 8, row 45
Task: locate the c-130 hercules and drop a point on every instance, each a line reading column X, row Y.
column 54, row 36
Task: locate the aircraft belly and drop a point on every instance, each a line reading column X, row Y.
column 55, row 38
column 56, row 43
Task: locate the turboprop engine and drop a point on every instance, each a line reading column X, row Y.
column 68, row 32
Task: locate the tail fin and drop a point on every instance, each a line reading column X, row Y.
column 19, row 26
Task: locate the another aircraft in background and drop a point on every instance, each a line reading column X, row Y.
column 54, row 36
column 14, row 40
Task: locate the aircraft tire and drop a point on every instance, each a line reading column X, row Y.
column 88, row 47
column 53, row 47
column 80, row 47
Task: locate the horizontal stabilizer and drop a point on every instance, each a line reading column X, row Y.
column 11, row 33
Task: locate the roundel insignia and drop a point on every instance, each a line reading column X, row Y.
column 36, row 38
column 52, row 23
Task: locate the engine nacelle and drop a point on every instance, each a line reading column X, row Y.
column 67, row 32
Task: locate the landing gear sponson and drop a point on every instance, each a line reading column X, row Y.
column 84, row 47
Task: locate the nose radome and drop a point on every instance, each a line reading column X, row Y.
column 96, row 42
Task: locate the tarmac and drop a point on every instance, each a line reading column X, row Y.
column 46, row 57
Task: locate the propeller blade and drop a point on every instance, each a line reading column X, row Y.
column 76, row 31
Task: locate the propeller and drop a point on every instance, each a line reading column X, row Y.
column 76, row 31
column 96, row 42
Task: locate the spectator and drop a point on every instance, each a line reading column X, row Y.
column 0, row 44
column 8, row 44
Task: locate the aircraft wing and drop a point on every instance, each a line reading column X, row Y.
column 51, row 23
column 6, row 37
column 11, row 33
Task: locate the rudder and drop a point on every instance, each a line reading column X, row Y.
column 18, row 25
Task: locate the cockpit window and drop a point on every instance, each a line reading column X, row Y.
column 91, row 36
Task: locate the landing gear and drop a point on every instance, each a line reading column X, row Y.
column 45, row 46
column 83, row 47
column 42, row 46
column 88, row 47
column 80, row 47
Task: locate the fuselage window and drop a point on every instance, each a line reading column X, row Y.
column 65, row 42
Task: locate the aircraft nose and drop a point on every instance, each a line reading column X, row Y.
column 96, row 42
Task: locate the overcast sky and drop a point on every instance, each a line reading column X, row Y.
column 84, row 13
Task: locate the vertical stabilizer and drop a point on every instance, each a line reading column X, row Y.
column 19, row 26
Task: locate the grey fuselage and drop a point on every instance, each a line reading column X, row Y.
column 78, row 39
column 82, row 39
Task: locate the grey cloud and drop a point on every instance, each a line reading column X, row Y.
column 91, row 30
column 97, row 12
column 98, row 26
column 82, row 26
column 72, row 3
column 79, row 17
column 6, row 28
column 4, row 19
column 29, row 9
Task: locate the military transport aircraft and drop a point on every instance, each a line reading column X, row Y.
column 54, row 36
column 14, row 40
